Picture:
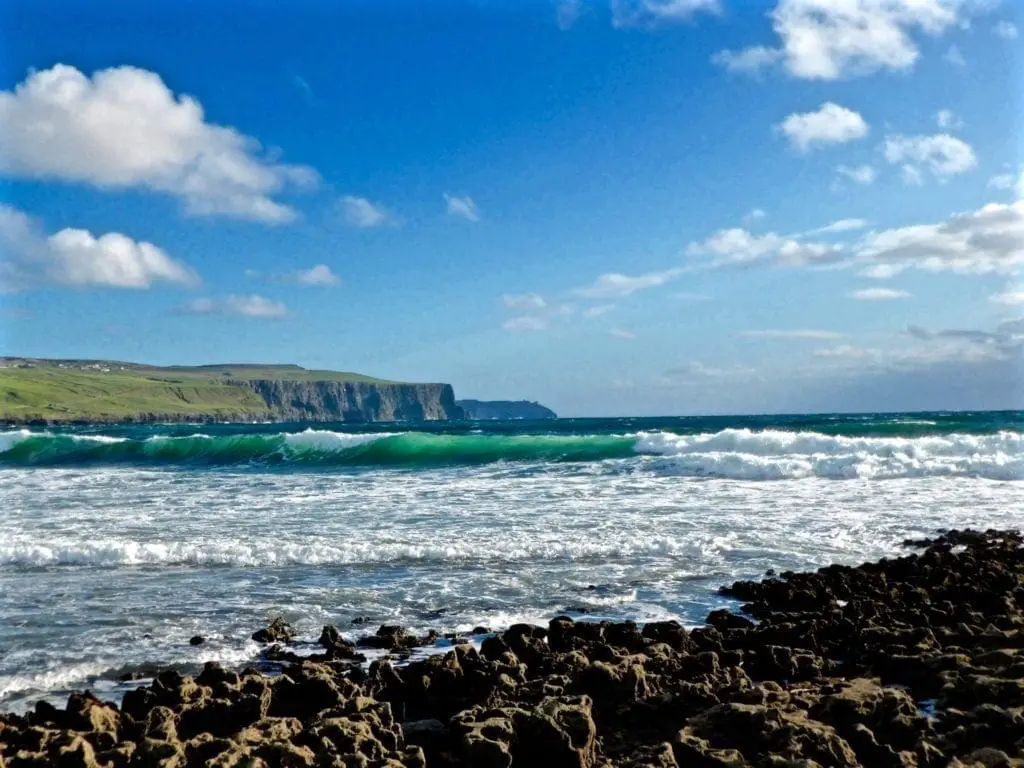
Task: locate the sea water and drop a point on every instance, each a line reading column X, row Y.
column 118, row 544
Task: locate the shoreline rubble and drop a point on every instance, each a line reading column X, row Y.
column 909, row 661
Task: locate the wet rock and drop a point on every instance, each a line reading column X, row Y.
column 196, row 640
column 279, row 631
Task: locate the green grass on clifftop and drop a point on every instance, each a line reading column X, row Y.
column 81, row 390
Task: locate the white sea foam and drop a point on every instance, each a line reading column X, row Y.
column 10, row 439
column 325, row 440
column 744, row 454
column 270, row 553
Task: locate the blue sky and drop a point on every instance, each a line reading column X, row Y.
column 614, row 207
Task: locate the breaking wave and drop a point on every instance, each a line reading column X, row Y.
column 743, row 454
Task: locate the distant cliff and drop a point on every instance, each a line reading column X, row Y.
column 34, row 390
column 355, row 401
column 504, row 409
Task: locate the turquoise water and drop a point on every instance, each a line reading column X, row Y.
column 119, row 544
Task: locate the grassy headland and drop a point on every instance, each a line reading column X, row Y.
column 103, row 390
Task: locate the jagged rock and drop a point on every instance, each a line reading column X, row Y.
column 279, row 631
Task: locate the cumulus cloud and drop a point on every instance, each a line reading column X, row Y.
column 738, row 247
column 76, row 257
column 123, row 128
column 320, row 275
column 1007, row 30
column 362, row 214
column 463, row 207
column 878, row 294
column 615, row 285
column 800, row 333
column 943, row 155
column 990, row 239
column 861, row 174
column 754, row 215
column 626, row 13
column 829, row 40
column 830, row 124
column 252, row 306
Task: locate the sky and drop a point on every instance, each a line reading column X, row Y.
column 615, row 207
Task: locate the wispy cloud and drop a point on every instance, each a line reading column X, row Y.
column 878, row 294
column 800, row 333
column 861, row 174
column 616, row 285
column 524, row 301
column 251, row 306
column 598, row 311
column 619, row 333
column 363, row 214
column 463, row 207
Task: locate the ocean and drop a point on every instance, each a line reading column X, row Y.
column 118, row 544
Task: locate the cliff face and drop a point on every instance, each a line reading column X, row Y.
column 505, row 409
column 355, row 401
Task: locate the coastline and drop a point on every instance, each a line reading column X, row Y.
column 911, row 661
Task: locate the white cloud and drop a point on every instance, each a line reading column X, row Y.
column 831, row 124
column 598, row 311
column 842, row 225
column 1002, row 181
column 535, row 313
column 735, row 247
column 795, row 254
column 754, row 215
column 912, row 176
column 988, row 240
column 462, row 206
column 524, row 301
column 947, row 119
column 942, row 154
column 878, row 294
column 526, row 323
column 320, row 275
column 618, row 333
column 252, row 306
column 626, row 13
column 1007, row 30
column 861, row 174
column 751, row 60
column 76, row 257
column 833, row 39
column 882, row 271
column 801, row 333
column 123, row 128
column 361, row 213
column 615, row 285
column 1013, row 297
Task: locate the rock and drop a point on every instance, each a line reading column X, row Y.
column 196, row 640
column 279, row 631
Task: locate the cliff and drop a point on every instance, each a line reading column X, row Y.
column 98, row 391
column 355, row 401
column 504, row 409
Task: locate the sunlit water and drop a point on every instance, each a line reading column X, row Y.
column 110, row 559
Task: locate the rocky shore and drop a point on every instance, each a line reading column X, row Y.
column 913, row 661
